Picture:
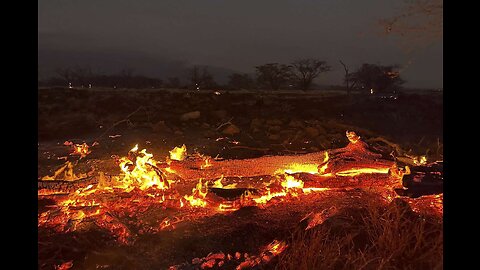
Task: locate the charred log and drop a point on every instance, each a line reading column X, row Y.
column 359, row 181
column 423, row 180
column 233, row 193
column 67, row 186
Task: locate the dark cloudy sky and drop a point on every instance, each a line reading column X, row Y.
column 153, row 36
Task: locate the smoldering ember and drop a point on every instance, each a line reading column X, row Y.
column 281, row 168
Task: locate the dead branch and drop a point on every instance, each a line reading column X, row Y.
column 395, row 146
column 224, row 124
column 126, row 119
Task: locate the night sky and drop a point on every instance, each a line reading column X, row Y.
column 160, row 38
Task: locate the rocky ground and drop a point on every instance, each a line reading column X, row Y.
column 231, row 124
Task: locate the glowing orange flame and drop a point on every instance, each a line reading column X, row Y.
column 170, row 170
column 224, row 207
column 81, row 149
column 142, row 172
column 64, row 266
column 68, row 173
column 218, row 183
column 207, row 163
column 199, row 192
column 291, row 182
column 323, row 168
column 178, row 153
column 267, row 197
column 311, row 168
column 276, row 247
column 397, row 172
column 297, row 167
column 135, row 148
column 358, row 171
column 419, row 161
column 352, row 136
column 291, row 187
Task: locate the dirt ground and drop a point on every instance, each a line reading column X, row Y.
column 268, row 123
column 229, row 125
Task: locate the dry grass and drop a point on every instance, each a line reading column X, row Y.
column 369, row 237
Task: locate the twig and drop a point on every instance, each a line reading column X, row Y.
column 126, row 119
column 250, row 136
column 226, row 123
column 394, row 145
column 285, row 149
column 421, row 140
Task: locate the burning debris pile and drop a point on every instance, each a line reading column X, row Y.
column 149, row 196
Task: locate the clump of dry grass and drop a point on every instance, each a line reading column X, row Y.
column 369, row 237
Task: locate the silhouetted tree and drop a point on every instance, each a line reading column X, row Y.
column 195, row 77
column 207, row 80
column 377, row 78
column 82, row 76
column 305, row 70
column 273, row 75
column 201, row 79
column 125, row 78
column 239, row 81
column 347, row 78
column 65, row 74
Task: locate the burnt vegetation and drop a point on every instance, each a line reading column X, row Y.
column 368, row 237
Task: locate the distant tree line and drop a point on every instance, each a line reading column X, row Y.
column 85, row 78
column 300, row 74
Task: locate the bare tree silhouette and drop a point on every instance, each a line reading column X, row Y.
column 273, row 75
column 306, row 70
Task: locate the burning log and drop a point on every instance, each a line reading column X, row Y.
column 341, row 182
column 190, row 169
column 324, row 167
column 351, row 160
column 310, row 181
